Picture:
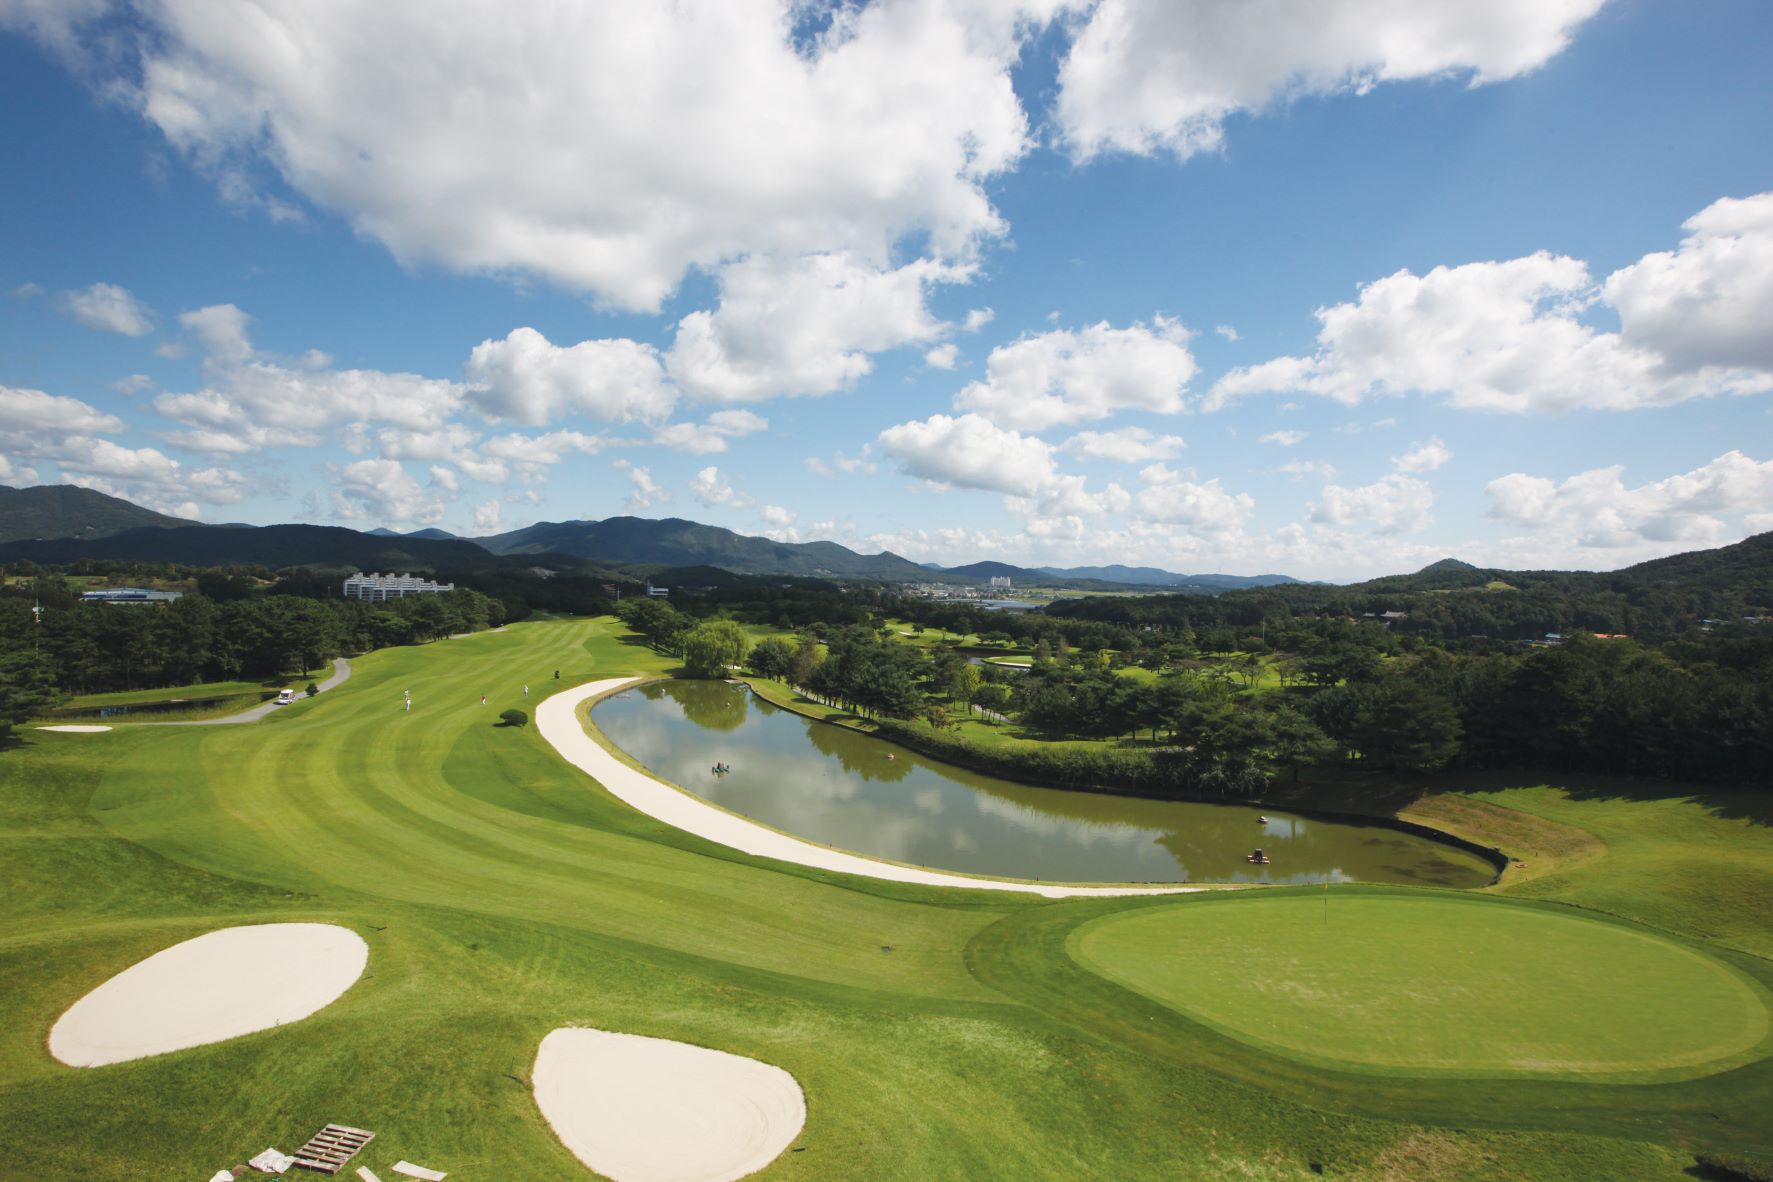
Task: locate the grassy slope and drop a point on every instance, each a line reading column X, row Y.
column 211, row 689
column 503, row 895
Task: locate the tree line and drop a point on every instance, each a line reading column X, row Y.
column 53, row 644
column 1699, row 707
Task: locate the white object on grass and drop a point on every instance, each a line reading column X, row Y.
column 412, row 1171
column 270, row 1162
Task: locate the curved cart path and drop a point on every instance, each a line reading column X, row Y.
column 558, row 721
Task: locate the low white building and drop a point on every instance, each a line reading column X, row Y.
column 130, row 595
column 379, row 588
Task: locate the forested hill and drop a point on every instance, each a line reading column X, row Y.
column 274, row 546
column 1745, row 568
column 676, row 542
column 1450, row 599
column 1150, row 576
column 68, row 511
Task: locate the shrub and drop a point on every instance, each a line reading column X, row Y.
column 1723, row 1167
column 514, row 718
column 312, row 689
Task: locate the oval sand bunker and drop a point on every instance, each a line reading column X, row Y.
column 72, row 729
column 216, row 986
column 651, row 1110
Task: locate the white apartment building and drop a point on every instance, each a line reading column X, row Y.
column 379, row 588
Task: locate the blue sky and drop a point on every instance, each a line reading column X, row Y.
column 1333, row 288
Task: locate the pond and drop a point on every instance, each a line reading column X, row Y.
column 840, row 788
column 163, row 706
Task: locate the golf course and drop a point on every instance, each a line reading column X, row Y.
column 1604, row 1011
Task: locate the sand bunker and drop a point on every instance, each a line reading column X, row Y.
column 72, row 729
column 651, row 1110
column 217, row 986
column 557, row 720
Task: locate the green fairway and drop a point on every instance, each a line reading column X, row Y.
column 938, row 1034
column 1438, row 984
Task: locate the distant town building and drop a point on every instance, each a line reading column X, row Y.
column 130, row 595
column 653, row 592
column 379, row 588
column 1000, row 582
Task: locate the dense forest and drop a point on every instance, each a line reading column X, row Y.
column 1662, row 670
column 1404, row 675
column 232, row 625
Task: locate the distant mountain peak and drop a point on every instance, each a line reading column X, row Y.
column 676, row 542
column 49, row 511
column 1446, row 566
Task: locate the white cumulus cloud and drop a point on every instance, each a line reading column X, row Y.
column 529, row 380
column 606, row 147
column 711, row 487
column 109, row 308
column 806, row 327
column 1423, row 457
column 26, row 412
column 1154, row 75
column 1708, row 304
column 711, row 435
column 1064, row 377
column 254, row 401
column 645, row 492
column 1172, row 498
column 1598, row 509
column 383, row 491
column 971, row 451
column 1511, row 336
column 1394, row 504
column 1128, row 445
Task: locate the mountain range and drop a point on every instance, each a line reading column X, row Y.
column 63, row 524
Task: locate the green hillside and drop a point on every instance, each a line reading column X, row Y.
column 674, row 542
column 68, row 511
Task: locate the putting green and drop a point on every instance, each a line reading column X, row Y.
column 1432, row 984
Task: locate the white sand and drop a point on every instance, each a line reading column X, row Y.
column 651, row 1110
column 216, row 986
column 557, row 721
column 70, row 729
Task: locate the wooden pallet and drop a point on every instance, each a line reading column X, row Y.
column 330, row 1148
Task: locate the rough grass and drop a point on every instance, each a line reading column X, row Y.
column 1537, row 846
column 503, row 894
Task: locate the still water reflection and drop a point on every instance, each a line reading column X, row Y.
column 840, row 788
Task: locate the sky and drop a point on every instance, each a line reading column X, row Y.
column 1329, row 288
